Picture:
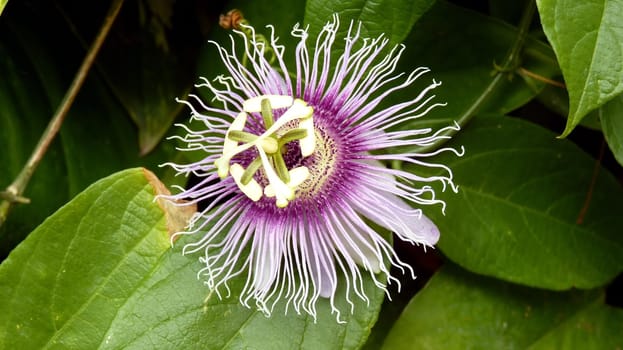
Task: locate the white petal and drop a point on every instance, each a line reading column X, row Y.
column 298, row 176
column 252, row 190
column 308, row 143
column 254, row 104
column 237, row 125
column 393, row 214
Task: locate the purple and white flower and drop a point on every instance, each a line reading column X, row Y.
column 294, row 170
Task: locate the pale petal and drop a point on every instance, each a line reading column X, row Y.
column 237, row 125
column 308, row 143
column 254, row 104
column 252, row 190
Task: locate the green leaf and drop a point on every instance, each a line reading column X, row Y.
column 458, row 310
column 2, row 5
column 521, row 196
column 611, row 115
column 100, row 273
column 594, row 327
column 392, row 18
column 465, row 64
column 556, row 100
column 73, row 271
column 588, row 40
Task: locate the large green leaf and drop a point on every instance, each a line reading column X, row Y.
column 594, row 327
column 588, row 40
column 521, row 195
column 100, row 273
column 458, row 310
column 465, row 64
column 392, row 18
column 611, row 115
column 74, row 270
column 556, row 100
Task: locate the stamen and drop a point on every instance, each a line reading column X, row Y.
column 251, row 170
column 252, row 189
column 297, row 177
column 298, row 110
column 280, row 167
column 292, row 135
column 241, row 136
column 229, row 145
column 282, row 191
column 267, row 113
column 222, row 164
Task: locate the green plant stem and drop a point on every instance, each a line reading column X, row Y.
column 13, row 193
column 510, row 64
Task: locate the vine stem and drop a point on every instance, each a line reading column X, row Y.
column 13, row 193
column 591, row 186
column 510, row 64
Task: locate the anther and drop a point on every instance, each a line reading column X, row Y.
column 267, row 113
column 241, row 136
column 292, row 135
column 251, row 170
column 280, row 167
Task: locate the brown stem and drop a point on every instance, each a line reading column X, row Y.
column 591, row 187
column 535, row 76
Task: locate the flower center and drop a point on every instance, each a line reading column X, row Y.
column 282, row 182
column 321, row 164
